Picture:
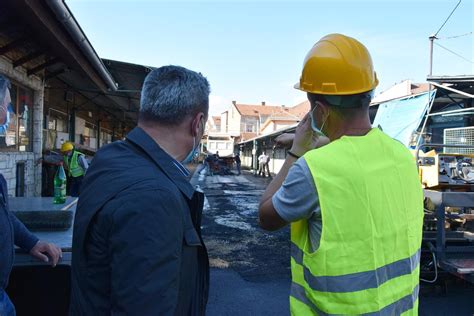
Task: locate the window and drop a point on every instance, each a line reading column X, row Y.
column 105, row 138
column 221, row 145
column 56, row 121
column 18, row 133
column 212, row 145
column 249, row 128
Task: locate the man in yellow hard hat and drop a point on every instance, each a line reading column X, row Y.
column 353, row 199
column 76, row 167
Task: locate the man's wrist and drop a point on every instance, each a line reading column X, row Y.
column 298, row 152
column 292, row 154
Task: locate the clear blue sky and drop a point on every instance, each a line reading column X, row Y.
column 252, row 51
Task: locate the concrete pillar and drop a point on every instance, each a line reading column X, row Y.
column 254, row 157
column 38, row 105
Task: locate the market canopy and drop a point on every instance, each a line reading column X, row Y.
column 400, row 118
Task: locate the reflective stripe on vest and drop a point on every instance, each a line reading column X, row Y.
column 372, row 211
column 396, row 308
column 357, row 281
column 74, row 169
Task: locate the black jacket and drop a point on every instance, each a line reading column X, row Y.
column 137, row 246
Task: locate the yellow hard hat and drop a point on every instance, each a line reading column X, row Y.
column 338, row 65
column 67, row 146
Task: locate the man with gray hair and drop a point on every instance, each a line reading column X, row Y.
column 137, row 246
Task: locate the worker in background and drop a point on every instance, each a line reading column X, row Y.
column 12, row 231
column 209, row 162
column 76, row 167
column 262, row 160
column 355, row 204
column 238, row 162
column 266, row 165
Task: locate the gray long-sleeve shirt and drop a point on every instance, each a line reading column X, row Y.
column 298, row 199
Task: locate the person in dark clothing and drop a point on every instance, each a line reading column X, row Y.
column 137, row 245
column 237, row 163
column 209, row 161
column 12, row 231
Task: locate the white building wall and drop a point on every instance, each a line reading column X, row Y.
column 268, row 129
column 234, row 121
column 277, row 160
column 224, row 122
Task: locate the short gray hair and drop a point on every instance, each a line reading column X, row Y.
column 171, row 93
column 4, row 85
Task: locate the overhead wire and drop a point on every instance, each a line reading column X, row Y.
column 456, row 36
column 454, row 53
column 448, row 18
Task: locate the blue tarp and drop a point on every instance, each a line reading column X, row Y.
column 401, row 118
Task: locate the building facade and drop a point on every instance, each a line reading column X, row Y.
column 60, row 89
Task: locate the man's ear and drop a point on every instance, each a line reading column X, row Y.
column 196, row 123
column 324, row 109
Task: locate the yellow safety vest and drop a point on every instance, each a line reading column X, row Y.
column 372, row 213
column 73, row 167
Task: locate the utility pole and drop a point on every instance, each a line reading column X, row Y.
column 431, row 102
column 432, row 38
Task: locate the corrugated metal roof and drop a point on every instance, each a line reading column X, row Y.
column 451, row 79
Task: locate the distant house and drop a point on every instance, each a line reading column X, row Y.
column 214, row 124
column 247, row 121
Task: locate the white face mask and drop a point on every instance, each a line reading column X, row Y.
column 317, row 130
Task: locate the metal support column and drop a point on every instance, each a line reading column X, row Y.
column 72, row 125
column 98, row 133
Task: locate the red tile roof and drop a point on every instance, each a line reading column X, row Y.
column 254, row 110
column 301, row 109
